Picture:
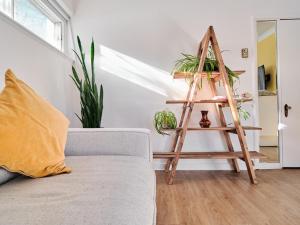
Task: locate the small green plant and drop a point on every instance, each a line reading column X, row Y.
column 91, row 98
column 164, row 120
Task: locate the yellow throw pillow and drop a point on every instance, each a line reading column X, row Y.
column 32, row 132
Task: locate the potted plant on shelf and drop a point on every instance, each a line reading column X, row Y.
column 190, row 63
column 164, row 120
column 91, row 96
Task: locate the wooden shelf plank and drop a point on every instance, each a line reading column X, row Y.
column 204, row 129
column 176, row 101
column 240, row 100
column 220, row 101
column 214, row 128
column 214, row 75
column 185, row 75
column 245, row 128
column 251, row 128
column 200, row 101
column 207, row 155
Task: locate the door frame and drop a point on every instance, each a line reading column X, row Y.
column 264, row 165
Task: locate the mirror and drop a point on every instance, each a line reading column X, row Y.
column 267, row 90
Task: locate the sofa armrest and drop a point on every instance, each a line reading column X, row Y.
column 109, row 141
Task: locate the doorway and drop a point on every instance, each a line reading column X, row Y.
column 268, row 90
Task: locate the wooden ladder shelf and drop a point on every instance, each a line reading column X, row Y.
column 188, row 105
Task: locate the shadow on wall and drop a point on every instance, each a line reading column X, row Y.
column 139, row 73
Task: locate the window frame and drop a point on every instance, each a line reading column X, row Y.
column 54, row 12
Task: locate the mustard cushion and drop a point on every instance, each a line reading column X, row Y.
column 32, row 132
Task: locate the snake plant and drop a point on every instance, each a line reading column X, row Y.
column 91, row 96
column 164, row 120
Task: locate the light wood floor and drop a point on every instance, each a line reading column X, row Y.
column 223, row 197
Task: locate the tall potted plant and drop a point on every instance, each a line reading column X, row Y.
column 91, row 96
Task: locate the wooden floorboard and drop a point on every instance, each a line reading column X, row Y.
column 227, row 198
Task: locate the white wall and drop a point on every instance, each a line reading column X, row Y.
column 41, row 66
column 67, row 5
column 138, row 42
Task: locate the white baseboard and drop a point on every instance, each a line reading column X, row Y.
column 194, row 164
column 269, row 166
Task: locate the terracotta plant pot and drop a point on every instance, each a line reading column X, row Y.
column 204, row 122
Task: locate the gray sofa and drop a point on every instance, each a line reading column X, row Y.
column 112, row 183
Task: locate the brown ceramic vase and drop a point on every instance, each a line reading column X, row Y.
column 204, row 122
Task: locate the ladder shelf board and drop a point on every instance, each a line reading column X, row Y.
column 224, row 102
column 214, row 128
column 251, row 128
column 199, row 101
column 239, row 100
column 207, row 155
column 213, row 75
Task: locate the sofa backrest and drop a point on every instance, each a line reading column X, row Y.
column 109, row 141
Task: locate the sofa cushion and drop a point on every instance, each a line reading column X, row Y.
column 101, row 190
column 6, row 176
column 32, row 132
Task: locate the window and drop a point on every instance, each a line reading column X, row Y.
column 38, row 16
column 6, row 7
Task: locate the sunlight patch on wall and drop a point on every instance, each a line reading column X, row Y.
column 282, row 126
column 140, row 73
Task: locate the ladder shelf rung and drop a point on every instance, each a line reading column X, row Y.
column 251, row 128
column 214, row 75
column 214, row 128
column 245, row 128
column 224, row 102
column 240, row 100
column 200, row 101
column 207, row 155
